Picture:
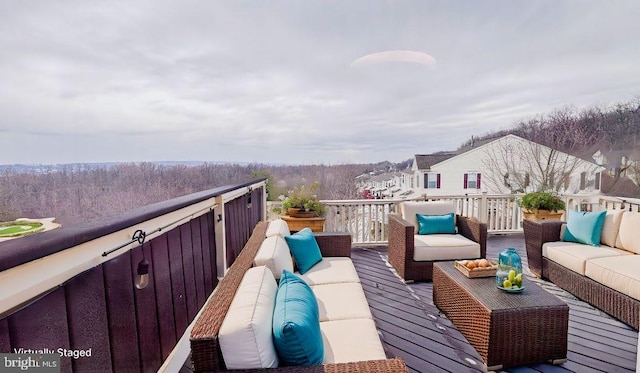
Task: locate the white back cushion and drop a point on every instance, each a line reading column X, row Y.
column 628, row 235
column 274, row 254
column 411, row 208
column 245, row 335
column 611, row 227
column 278, row 227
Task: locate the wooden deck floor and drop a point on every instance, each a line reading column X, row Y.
column 413, row 328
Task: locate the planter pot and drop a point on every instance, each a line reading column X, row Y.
column 292, row 211
column 304, row 214
column 540, row 215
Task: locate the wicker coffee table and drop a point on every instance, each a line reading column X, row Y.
column 507, row 329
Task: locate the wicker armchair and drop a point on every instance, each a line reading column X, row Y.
column 402, row 246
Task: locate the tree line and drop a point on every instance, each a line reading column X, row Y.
column 76, row 194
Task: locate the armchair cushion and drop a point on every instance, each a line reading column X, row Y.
column 444, row 247
column 433, row 224
column 410, row 209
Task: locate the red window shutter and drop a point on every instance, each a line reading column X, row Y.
column 466, row 178
column 437, row 181
column 478, row 184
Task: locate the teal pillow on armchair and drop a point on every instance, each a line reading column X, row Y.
column 434, row 224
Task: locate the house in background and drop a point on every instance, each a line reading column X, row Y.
column 509, row 164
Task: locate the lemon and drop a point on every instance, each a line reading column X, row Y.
column 506, row 284
column 518, row 279
column 512, row 275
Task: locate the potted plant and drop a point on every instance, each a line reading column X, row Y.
column 301, row 202
column 541, row 206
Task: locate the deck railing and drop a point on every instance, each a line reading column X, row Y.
column 74, row 288
column 367, row 219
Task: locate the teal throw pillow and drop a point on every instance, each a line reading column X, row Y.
column 584, row 227
column 296, row 325
column 305, row 249
column 432, row 224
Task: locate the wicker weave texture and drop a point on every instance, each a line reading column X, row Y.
column 506, row 329
column 402, row 247
column 616, row 304
column 535, row 235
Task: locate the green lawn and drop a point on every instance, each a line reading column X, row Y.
column 19, row 228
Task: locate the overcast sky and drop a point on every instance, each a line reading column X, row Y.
column 288, row 81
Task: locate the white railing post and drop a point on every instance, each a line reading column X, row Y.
column 483, row 212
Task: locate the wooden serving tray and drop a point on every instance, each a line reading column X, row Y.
column 477, row 272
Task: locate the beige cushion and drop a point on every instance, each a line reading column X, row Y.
column 331, row 270
column 274, row 254
column 245, row 335
column 629, row 234
column 573, row 255
column 351, row 340
column 611, row 227
column 341, row 301
column 278, row 227
column 411, row 208
column 619, row 273
column 444, row 247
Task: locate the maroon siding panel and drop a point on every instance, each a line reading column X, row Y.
column 159, row 268
column 88, row 323
column 198, row 262
column 121, row 311
column 177, row 282
column 145, row 301
column 46, row 319
column 209, row 252
column 189, row 271
column 5, row 341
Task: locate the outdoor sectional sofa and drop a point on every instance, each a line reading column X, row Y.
column 413, row 254
column 350, row 338
column 606, row 276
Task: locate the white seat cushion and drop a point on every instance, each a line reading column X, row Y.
column 351, row 340
column 619, row 273
column 341, row 301
column 573, row 255
column 611, row 227
column 278, row 227
column 331, row 270
column 628, row 235
column 274, row 254
column 411, row 208
column 246, row 336
column 444, row 247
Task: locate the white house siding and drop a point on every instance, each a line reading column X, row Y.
column 453, row 169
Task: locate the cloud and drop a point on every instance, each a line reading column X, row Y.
column 247, row 81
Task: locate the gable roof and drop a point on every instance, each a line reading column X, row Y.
column 425, row 161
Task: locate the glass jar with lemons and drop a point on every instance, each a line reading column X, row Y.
column 509, row 273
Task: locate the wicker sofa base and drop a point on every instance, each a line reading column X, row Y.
column 205, row 348
column 614, row 303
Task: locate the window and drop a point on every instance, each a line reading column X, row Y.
column 472, row 180
column 432, row 181
column 583, row 180
column 597, row 186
